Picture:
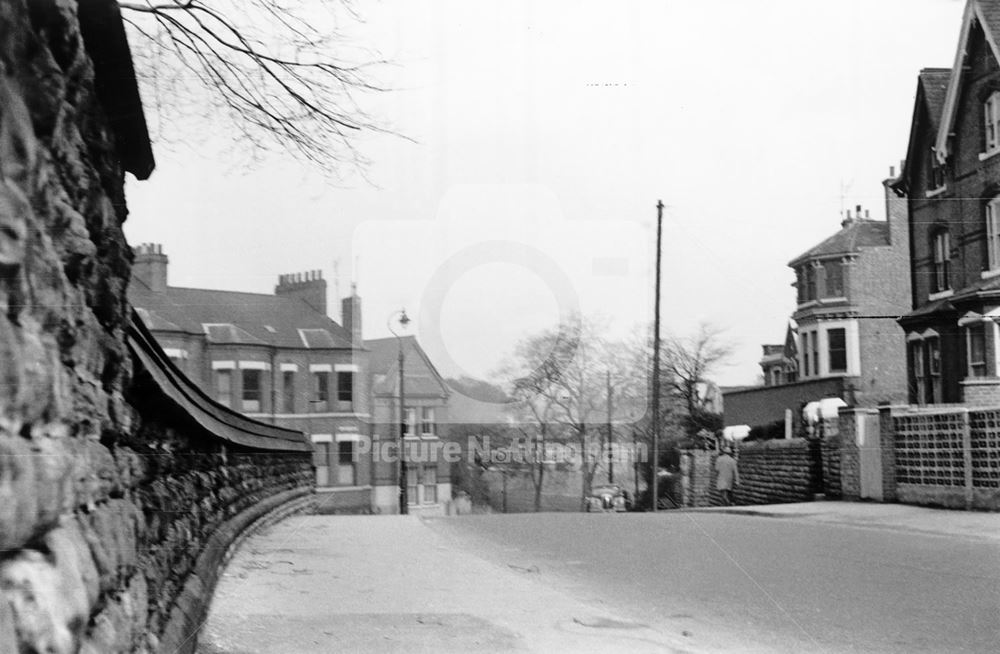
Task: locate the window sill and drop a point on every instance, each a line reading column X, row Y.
column 934, row 192
column 940, row 295
column 983, row 156
column 986, row 274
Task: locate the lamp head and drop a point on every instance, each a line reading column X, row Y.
column 404, row 320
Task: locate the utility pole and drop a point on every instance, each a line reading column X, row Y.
column 611, row 456
column 656, row 361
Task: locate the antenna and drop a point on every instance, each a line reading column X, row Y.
column 844, row 188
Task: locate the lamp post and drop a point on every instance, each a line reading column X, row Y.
column 402, row 320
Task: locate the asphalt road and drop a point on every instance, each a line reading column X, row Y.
column 727, row 582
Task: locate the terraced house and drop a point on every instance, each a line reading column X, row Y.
column 952, row 181
column 277, row 358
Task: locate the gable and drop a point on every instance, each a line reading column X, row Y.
column 980, row 17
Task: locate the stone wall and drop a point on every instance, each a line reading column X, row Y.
column 117, row 504
column 850, row 455
column 830, row 448
column 771, row 472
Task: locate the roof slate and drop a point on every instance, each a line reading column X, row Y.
column 250, row 314
column 934, row 82
column 850, row 239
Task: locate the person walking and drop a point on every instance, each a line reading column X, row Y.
column 727, row 475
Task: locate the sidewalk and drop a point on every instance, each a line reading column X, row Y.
column 391, row 584
column 899, row 517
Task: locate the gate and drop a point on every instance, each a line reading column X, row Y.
column 869, row 456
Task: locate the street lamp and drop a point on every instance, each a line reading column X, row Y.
column 402, row 320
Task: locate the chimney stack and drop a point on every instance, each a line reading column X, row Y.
column 350, row 315
column 150, row 266
column 310, row 287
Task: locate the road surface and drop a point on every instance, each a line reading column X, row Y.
column 736, row 582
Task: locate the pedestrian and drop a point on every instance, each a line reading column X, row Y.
column 727, row 476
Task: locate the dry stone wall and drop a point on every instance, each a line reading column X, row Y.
column 116, row 509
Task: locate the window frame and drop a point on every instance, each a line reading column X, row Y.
column 839, row 266
column 224, row 396
column 251, row 399
column 976, row 368
column 941, row 258
column 288, row 391
column 343, row 375
column 320, row 400
column 429, row 482
column 427, row 421
column 991, row 123
column 842, row 331
column 992, row 211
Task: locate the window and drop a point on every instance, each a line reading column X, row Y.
column 936, row 172
column 345, row 463
column 251, row 390
column 993, row 235
column 976, row 343
column 224, row 386
column 321, row 459
column 410, row 426
column 412, row 484
column 834, row 279
column 427, row 420
column 805, row 354
column 288, row 391
column 810, row 282
column 321, row 391
column 991, row 118
column 942, row 261
column 934, row 368
column 345, row 387
column 836, row 340
column 430, row 484
column 800, row 285
column 919, row 372
column 814, row 340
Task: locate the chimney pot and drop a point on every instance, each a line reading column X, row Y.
column 892, row 172
column 866, row 214
column 857, row 210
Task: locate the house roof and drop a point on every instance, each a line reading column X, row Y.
column 383, row 363
column 236, row 317
column 932, row 86
column 850, row 239
column 987, row 13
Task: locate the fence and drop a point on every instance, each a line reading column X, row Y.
column 947, row 457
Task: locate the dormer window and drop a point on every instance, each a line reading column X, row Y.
column 942, row 262
column 991, row 117
column 810, row 282
column 834, row 279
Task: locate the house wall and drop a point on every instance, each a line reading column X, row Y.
column 421, row 452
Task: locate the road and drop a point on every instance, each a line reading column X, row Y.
column 749, row 583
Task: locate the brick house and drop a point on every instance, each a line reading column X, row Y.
column 842, row 340
column 951, row 179
column 426, row 393
column 276, row 358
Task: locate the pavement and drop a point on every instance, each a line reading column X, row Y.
column 873, row 515
column 540, row 582
column 390, row 584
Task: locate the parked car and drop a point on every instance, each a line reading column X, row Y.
column 608, row 498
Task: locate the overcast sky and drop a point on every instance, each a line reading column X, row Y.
column 543, row 134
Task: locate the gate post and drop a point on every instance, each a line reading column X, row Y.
column 887, row 437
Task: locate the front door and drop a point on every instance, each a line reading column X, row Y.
column 870, row 456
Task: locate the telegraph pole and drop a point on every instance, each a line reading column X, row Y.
column 611, row 456
column 656, row 360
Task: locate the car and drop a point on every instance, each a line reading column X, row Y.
column 607, row 498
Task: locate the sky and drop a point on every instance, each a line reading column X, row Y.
column 540, row 137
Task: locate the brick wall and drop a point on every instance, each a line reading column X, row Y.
column 117, row 505
column 830, row 452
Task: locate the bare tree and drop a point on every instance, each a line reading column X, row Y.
column 689, row 361
column 563, row 387
column 267, row 68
